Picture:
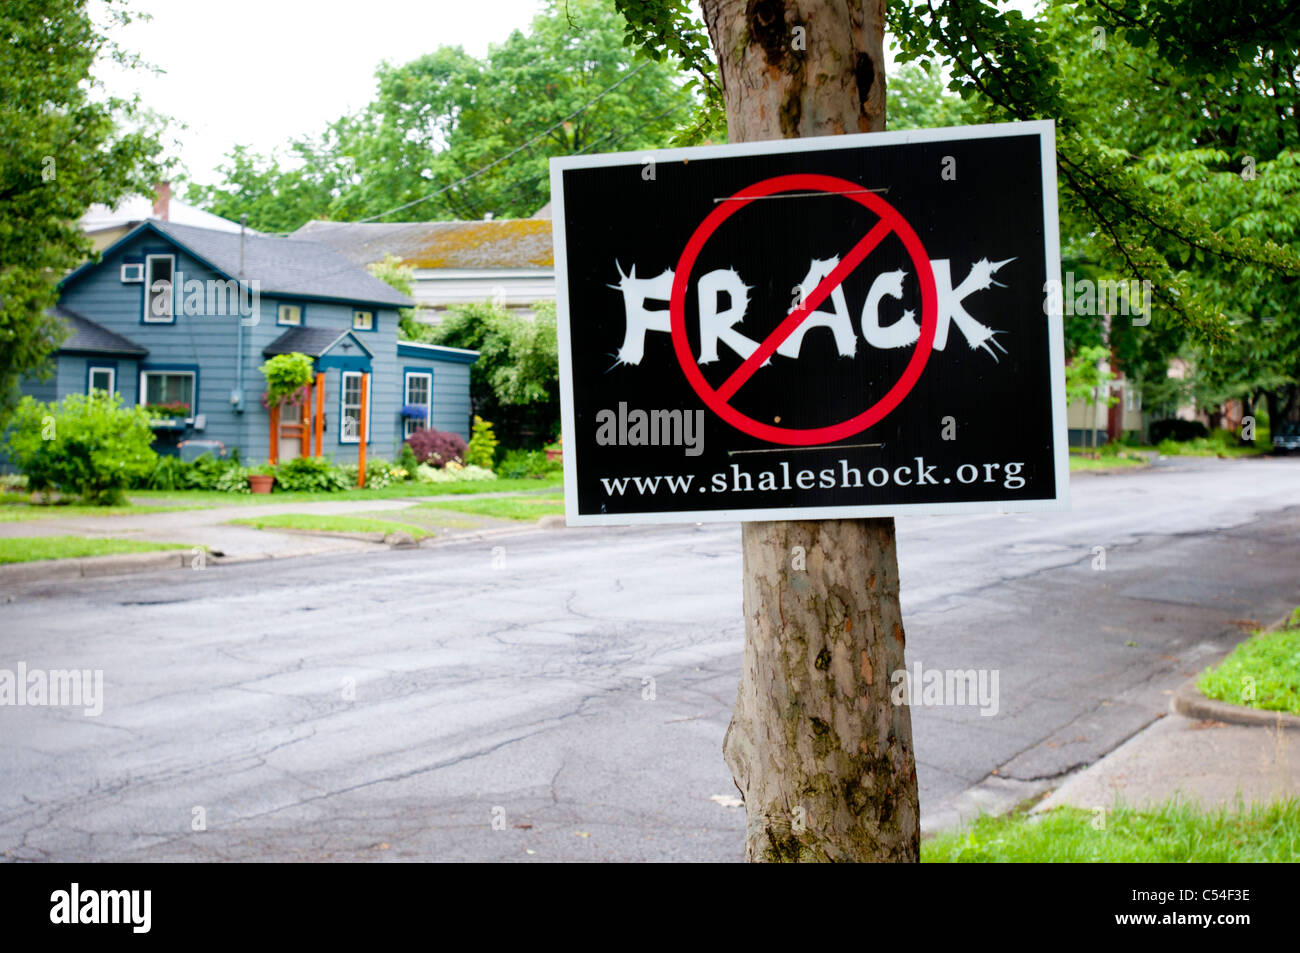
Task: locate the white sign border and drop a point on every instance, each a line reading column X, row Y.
column 1045, row 129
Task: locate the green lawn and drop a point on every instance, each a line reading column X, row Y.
column 1175, row 833
column 1080, row 462
column 25, row 549
column 189, row 498
column 332, row 524
column 12, row 511
column 529, row 508
column 1262, row 672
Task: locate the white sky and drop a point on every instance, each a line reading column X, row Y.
column 264, row 72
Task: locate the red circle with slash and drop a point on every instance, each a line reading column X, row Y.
column 891, row 222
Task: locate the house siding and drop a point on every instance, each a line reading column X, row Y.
column 210, row 344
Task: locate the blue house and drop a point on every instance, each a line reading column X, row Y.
column 173, row 314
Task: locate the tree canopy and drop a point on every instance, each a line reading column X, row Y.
column 66, row 146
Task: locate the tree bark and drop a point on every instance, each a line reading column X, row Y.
column 820, row 754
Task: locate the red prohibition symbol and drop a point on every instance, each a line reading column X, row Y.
column 891, row 222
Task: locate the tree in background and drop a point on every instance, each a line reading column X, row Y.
column 474, row 134
column 515, row 381
column 66, row 146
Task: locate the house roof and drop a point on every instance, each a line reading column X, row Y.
column 314, row 342
column 136, row 209
column 282, row 266
column 499, row 243
column 91, row 337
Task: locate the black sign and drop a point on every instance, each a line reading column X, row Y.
column 813, row 328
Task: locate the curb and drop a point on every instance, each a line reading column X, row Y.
column 88, row 566
column 1190, row 703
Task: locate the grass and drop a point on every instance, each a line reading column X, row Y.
column 25, row 549
column 332, row 524
column 12, row 511
column 1080, row 462
column 528, row 508
column 190, row 498
column 1263, row 672
column 1173, row 833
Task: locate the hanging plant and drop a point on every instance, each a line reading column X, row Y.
column 287, row 379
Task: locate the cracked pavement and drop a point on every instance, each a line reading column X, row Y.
column 569, row 701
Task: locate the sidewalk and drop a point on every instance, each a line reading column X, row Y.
column 1200, row 761
column 206, row 527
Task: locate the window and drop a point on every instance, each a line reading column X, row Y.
column 363, row 320
column 350, row 409
column 1132, row 399
column 133, row 274
column 102, row 378
column 168, row 387
column 158, row 288
column 288, row 314
column 419, row 393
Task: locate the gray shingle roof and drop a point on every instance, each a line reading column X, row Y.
column 499, row 243
column 287, row 266
column 89, row 336
column 310, row 341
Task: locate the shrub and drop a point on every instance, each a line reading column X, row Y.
column 169, row 473
column 406, row 460
column 379, row 474
column 452, row 473
column 436, row 448
column 1175, row 429
column 310, row 474
column 518, row 464
column 482, row 447
column 88, row 444
column 233, row 480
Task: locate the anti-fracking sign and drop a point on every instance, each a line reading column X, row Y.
column 813, row 328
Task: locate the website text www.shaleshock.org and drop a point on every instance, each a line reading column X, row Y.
column 839, row 476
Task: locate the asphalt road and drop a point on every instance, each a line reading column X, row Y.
column 562, row 695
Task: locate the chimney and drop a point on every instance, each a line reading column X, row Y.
column 162, row 201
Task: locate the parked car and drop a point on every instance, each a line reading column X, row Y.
column 1286, row 436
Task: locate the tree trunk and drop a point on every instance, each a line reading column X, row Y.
column 821, row 756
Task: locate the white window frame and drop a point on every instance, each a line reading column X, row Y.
column 135, row 276
column 279, row 315
column 112, row 378
column 194, row 395
column 149, row 316
column 369, row 326
column 407, row 427
column 343, row 407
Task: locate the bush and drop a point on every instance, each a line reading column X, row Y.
column 233, row 480
column 379, row 474
column 482, row 447
column 452, row 473
column 406, row 460
column 519, row 464
column 436, row 448
column 1175, row 429
column 309, row 474
column 88, row 444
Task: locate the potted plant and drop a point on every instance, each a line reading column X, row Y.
column 415, row 412
column 287, row 378
column 261, row 478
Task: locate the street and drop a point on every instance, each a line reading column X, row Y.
column 563, row 694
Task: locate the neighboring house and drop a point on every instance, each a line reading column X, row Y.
column 106, row 225
column 1098, row 423
column 161, row 319
column 510, row 261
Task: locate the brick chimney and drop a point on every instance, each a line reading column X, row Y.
column 162, row 201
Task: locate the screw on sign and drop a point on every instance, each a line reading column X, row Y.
column 956, row 404
column 890, row 222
